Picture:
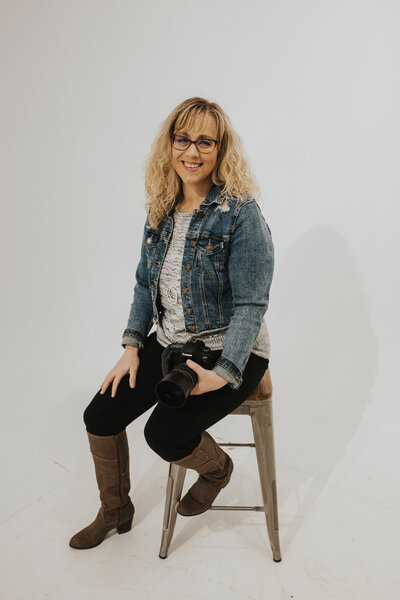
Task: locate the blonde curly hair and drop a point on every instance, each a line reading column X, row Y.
column 232, row 171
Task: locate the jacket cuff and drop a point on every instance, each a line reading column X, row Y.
column 229, row 371
column 132, row 337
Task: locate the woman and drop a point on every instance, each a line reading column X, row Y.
column 204, row 273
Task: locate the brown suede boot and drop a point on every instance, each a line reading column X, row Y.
column 111, row 461
column 215, row 468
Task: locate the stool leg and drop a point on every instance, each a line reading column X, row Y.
column 261, row 420
column 176, row 477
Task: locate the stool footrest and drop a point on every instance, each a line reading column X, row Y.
column 236, row 444
column 257, row 508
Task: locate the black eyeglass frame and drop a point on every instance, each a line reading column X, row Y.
column 174, row 135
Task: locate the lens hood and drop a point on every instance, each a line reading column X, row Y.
column 174, row 388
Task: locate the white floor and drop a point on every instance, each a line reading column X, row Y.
column 338, row 517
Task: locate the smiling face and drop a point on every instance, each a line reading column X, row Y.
column 193, row 166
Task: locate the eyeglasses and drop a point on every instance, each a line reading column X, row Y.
column 203, row 145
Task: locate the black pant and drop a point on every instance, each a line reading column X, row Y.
column 172, row 433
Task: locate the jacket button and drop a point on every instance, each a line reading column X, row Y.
column 185, row 290
column 189, row 311
column 188, row 267
column 192, row 243
column 200, row 215
column 192, row 328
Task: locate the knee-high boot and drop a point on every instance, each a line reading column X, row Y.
column 215, row 468
column 111, row 461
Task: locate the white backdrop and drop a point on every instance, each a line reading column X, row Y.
column 312, row 88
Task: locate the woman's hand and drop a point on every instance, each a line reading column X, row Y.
column 208, row 380
column 128, row 363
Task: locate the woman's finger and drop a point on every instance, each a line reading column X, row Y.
column 115, row 386
column 132, row 378
column 105, row 384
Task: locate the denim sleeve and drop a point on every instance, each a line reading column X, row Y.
column 140, row 318
column 250, row 268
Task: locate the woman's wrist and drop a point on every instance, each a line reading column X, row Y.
column 131, row 349
column 219, row 378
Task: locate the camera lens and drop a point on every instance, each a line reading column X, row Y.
column 174, row 389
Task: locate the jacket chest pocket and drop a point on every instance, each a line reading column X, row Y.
column 209, row 254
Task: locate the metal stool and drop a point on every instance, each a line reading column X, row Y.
column 259, row 407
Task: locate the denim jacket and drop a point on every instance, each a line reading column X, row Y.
column 227, row 268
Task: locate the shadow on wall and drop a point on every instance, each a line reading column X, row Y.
column 324, row 360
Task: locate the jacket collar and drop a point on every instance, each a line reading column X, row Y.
column 214, row 195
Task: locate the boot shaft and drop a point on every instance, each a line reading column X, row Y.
column 111, row 461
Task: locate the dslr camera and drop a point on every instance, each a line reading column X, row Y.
column 178, row 378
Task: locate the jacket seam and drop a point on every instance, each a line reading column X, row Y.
column 240, row 206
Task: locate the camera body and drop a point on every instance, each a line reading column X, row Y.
column 178, row 378
column 195, row 350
